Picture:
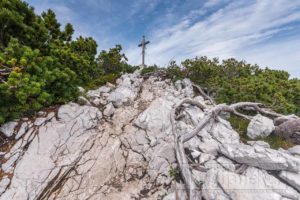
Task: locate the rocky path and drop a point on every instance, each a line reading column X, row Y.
column 119, row 145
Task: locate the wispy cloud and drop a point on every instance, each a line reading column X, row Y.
column 265, row 32
column 231, row 31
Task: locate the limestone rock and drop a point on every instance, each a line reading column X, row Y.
column 223, row 132
column 260, row 126
column 81, row 90
column 187, row 87
column 180, row 194
column 199, row 176
column 292, row 178
column 259, row 143
column 156, row 118
column 75, row 153
column 204, row 157
column 4, row 183
column 209, row 145
column 127, row 90
column 193, row 115
column 211, row 189
column 226, row 163
column 47, row 157
column 82, row 101
column 200, row 99
column 109, row 110
column 39, row 121
column 254, row 184
column 213, row 164
column 288, row 128
column 98, row 102
column 22, row 130
column 91, row 94
column 262, row 177
column 258, row 156
column 195, row 154
column 280, row 120
column 295, row 150
column 110, row 85
column 8, row 128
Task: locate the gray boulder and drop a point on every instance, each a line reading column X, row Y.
column 97, row 93
column 8, row 128
column 156, row 118
column 127, row 90
column 282, row 119
column 260, row 126
column 109, row 110
column 81, row 90
column 288, row 128
column 83, row 101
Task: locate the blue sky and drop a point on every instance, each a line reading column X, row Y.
column 266, row 32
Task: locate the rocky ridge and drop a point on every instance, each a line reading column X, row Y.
column 118, row 144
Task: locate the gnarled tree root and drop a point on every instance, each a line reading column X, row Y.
column 192, row 190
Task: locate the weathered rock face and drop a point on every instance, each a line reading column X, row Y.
column 261, row 157
column 260, row 126
column 295, row 150
column 120, row 146
column 292, row 178
column 8, row 128
column 127, row 90
column 288, row 128
column 254, row 184
column 47, row 151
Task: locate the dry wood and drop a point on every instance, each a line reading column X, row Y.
column 205, row 96
column 192, row 190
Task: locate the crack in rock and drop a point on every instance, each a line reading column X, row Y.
column 76, row 153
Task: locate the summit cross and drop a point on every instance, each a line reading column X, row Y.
column 143, row 45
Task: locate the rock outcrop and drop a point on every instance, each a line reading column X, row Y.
column 260, row 126
column 119, row 145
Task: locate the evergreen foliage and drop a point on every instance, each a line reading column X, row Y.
column 233, row 81
column 41, row 65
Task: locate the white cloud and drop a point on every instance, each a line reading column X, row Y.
column 284, row 55
column 240, row 29
column 212, row 3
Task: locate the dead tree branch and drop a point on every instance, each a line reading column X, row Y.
column 191, row 188
column 205, row 96
column 212, row 114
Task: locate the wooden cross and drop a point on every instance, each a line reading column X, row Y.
column 143, row 45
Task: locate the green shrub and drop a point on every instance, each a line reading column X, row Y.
column 149, row 69
column 34, row 81
column 277, row 142
column 102, row 80
column 41, row 65
column 174, row 173
column 240, row 125
column 233, row 81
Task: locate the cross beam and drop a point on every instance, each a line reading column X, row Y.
column 143, row 45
